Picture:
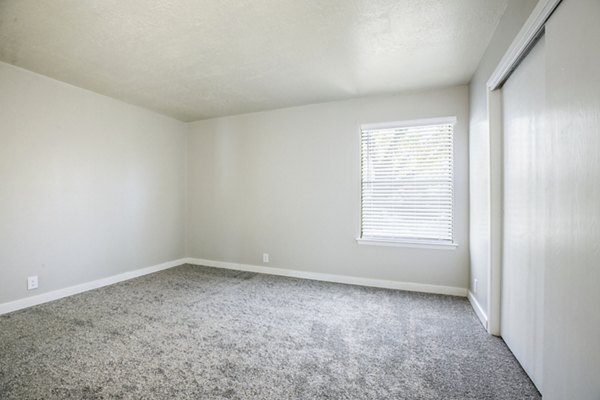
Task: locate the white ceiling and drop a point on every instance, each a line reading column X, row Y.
column 194, row 59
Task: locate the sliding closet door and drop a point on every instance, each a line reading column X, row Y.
column 524, row 220
column 572, row 322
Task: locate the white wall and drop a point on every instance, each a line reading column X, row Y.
column 572, row 316
column 479, row 146
column 89, row 186
column 286, row 182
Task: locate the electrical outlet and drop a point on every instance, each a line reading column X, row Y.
column 32, row 282
column 265, row 257
column 475, row 286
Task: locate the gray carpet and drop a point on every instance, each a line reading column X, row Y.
column 204, row 333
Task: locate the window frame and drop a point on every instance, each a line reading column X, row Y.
column 414, row 243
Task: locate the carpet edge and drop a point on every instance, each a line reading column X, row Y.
column 46, row 297
column 346, row 279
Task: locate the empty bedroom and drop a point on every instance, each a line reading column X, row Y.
column 300, row 199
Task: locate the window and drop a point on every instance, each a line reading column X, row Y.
column 407, row 182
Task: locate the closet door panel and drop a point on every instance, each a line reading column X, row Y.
column 524, row 216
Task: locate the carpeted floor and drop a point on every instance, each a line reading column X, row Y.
column 204, row 333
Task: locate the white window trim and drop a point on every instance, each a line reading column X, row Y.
column 411, row 123
column 407, row 243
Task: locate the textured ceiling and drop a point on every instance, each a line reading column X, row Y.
column 194, row 59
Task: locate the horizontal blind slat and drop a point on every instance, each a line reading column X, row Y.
column 407, row 183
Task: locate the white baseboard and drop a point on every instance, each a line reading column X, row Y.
column 351, row 280
column 318, row 276
column 84, row 287
column 478, row 310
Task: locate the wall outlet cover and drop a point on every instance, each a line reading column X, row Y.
column 32, row 282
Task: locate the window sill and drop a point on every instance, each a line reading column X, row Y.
column 406, row 243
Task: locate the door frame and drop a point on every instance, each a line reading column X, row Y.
column 520, row 46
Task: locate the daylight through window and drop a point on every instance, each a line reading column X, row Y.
column 407, row 182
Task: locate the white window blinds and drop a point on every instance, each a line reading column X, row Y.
column 407, row 182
